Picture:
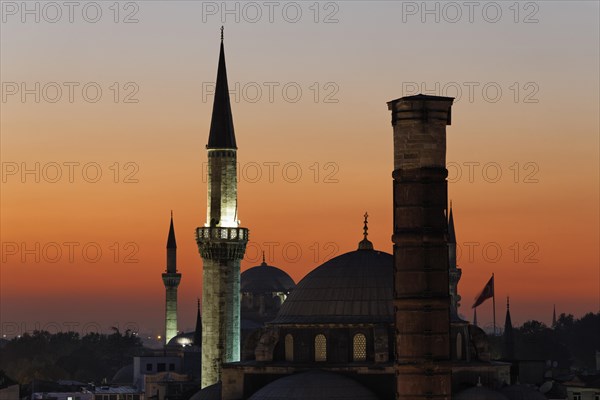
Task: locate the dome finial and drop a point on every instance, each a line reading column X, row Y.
column 264, row 263
column 365, row 244
column 222, row 29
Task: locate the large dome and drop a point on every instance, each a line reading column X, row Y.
column 355, row 287
column 314, row 385
column 265, row 279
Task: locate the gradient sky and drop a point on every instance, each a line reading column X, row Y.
column 542, row 211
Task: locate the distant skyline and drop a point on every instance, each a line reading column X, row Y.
column 523, row 165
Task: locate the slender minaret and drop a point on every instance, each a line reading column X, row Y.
column 554, row 317
column 508, row 335
column 171, row 279
column 475, row 316
column 221, row 241
column 421, row 262
column 455, row 272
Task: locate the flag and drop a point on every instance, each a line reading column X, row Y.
column 486, row 293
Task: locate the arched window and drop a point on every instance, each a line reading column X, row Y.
column 320, row 348
column 359, row 347
column 459, row 346
column 289, row 347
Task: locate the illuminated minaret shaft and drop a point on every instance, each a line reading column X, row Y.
column 171, row 279
column 221, row 241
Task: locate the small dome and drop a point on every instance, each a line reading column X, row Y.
column 124, row 376
column 479, row 393
column 314, row 385
column 266, row 279
column 212, row 392
column 183, row 339
column 522, row 392
column 355, row 287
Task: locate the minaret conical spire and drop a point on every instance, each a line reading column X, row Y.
column 509, row 344
column 451, row 232
column 171, row 249
column 454, row 272
column 198, row 331
column 222, row 135
column 171, row 242
column 554, row 316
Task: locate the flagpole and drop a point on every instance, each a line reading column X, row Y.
column 494, row 301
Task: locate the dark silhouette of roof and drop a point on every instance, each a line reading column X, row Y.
column 266, row 279
column 221, row 135
column 5, row 381
column 522, row 392
column 422, row 96
column 557, row 391
column 355, row 287
column 479, row 393
column 314, row 385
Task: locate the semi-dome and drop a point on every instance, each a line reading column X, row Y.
column 522, row 392
column 123, row 376
column 479, row 393
column 355, row 287
column 314, row 385
column 265, row 278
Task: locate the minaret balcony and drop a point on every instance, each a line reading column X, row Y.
column 171, row 279
column 216, row 243
column 221, row 234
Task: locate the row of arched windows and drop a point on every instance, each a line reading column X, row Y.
column 359, row 347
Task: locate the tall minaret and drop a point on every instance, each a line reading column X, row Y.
column 455, row 272
column 221, row 241
column 421, row 265
column 171, row 279
column 554, row 317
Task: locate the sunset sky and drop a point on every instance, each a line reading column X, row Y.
column 312, row 84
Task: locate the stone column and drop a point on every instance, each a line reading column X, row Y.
column 421, row 287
